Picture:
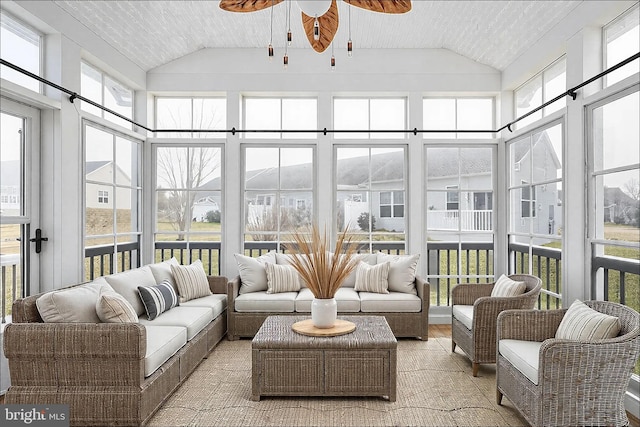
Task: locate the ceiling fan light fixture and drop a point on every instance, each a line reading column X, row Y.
column 285, row 61
column 316, row 29
column 350, row 48
column 270, row 51
column 289, row 37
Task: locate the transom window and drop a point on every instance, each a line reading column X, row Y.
column 353, row 114
column 106, row 91
column 546, row 85
column 191, row 113
column 21, row 45
column 457, row 113
column 621, row 40
column 261, row 113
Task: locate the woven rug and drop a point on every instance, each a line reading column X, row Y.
column 434, row 388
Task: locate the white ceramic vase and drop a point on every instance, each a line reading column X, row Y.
column 324, row 312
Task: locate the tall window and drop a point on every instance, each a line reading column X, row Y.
column 369, row 114
column 459, row 216
column 278, row 194
column 280, row 114
column 188, row 202
column 457, row 113
column 112, row 200
column 546, row 85
column 535, row 208
column 108, row 92
column 614, row 191
column 371, row 195
column 21, row 45
column 191, row 113
column 621, row 40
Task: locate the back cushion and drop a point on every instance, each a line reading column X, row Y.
column 506, row 287
column 402, row 273
column 252, row 273
column 127, row 282
column 162, row 272
column 72, row 305
column 370, row 259
column 583, row 323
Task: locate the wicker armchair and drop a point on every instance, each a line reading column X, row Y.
column 479, row 342
column 579, row 383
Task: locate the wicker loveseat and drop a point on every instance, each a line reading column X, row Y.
column 110, row 373
column 406, row 308
column 567, row 382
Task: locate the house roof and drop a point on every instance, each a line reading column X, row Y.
column 94, row 166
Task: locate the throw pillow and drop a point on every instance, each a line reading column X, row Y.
column 114, row 308
column 162, row 271
column 191, row 280
column 281, row 278
column 505, row 287
column 158, row 298
column 126, row 284
column 252, row 273
column 350, row 281
column 76, row 304
column 583, row 323
column 402, row 272
column 372, row 278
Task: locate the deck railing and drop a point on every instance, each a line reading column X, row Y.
column 99, row 259
column 10, row 282
column 546, row 265
column 467, row 220
column 208, row 252
column 621, row 279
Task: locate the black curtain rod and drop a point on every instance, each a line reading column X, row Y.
column 570, row 92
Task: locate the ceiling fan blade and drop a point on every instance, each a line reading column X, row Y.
column 383, row 6
column 246, row 5
column 328, row 28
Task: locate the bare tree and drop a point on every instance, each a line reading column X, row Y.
column 184, row 172
column 632, row 188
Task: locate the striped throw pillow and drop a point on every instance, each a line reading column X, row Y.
column 583, row 323
column 191, row 280
column 505, row 287
column 158, row 299
column 112, row 307
column 372, row 278
column 281, row 278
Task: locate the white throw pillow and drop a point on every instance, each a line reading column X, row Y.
column 252, row 273
column 162, row 272
column 505, row 287
column 127, row 282
column 370, row 259
column 281, row 278
column 191, row 280
column 372, row 278
column 112, row 307
column 583, row 323
column 402, row 273
column 72, row 305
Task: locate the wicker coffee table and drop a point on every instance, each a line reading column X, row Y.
column 361, row 363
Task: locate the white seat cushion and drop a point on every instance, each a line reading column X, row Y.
column 523, row 355
column 347, row 299
column 192, row 318
column 162, row 343
column 216, row 302
column 393, row 302
column 283, row 302
column 464, row 313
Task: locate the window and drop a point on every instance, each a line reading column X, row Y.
column 535, row 208
column 459, row 229
column 457, row 113
column 366, row 114
column 280, row 114
column 191, row 113
column 376, row 211
column 546, row 85
column 21, row 45
column 103, row 196
column 188, row 203
column 527, row 200
column 622, row 40
column 106, row 91
column 112, row 221
column 392, row 204
column 614, row 197
column 279, row 190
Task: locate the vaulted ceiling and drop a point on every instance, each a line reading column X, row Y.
column 153, row 33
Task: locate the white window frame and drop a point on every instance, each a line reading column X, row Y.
column 462, row 135
column 275, row 134
column 5, row 15
column 630, row 12
column 104, row 114
column 368, row 132
column 192, row 135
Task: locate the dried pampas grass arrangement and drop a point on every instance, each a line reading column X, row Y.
column 322, row 271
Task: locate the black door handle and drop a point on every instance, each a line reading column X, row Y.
column 38, row 240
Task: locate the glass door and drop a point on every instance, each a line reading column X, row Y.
column 20, row 238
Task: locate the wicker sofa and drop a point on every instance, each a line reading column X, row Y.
column 110, row 373
column 406, row 308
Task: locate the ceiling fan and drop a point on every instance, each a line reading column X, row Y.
column 319, row 17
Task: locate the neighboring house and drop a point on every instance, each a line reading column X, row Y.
column 202, row 206
column 619, row 207
column 99, row 187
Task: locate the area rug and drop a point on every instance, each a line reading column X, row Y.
column 434, row 388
